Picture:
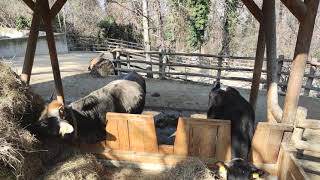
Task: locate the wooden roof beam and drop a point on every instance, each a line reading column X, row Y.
column 57, row 7
column 30, row 4
column 254, row 9
column 296, row 7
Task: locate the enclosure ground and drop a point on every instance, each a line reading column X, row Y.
column 175, row 95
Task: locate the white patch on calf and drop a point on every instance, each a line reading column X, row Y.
column 65, row 128
column 53, row 113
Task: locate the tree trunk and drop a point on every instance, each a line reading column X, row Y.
column 146, row 34
column 160, row 21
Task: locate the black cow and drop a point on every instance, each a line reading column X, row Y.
column 239, row 169
column 125, row 95
column 230, row 105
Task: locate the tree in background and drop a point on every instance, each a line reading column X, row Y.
column 230, row 23
column 198, row 21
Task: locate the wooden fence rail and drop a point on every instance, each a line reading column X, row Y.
column 80, row 43
column 163, row 61
column 168, row 59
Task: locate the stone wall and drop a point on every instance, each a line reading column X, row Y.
column 10, row 47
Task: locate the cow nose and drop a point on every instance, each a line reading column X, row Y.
column 65, row 128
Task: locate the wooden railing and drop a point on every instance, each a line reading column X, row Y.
column 165, row 64
column 82, row 43
column 300, row 154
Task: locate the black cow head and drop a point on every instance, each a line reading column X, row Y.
column 216, row 101
column 52, row 121
column 239, row 169
column 216, row 95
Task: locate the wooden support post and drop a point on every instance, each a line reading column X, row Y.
column 118, row 63
column 257, row 68
column 280, row 65
column 31, row 46
column 128, row 63
column 52, row 49
column 219, row 70
column 161, row 64
column 299, row 61
column 273, row 109
column 310, row 80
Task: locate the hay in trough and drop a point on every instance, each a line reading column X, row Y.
column 187, row 170
column 78, row 167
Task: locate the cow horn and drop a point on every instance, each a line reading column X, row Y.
column 51, row 97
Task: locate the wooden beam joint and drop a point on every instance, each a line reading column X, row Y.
column 57, row 7
column 297, row 8
column 30, row 4
column 254, row 9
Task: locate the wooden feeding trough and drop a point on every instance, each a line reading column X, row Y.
column 132, row 139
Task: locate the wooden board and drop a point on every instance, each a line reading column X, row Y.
column 267, row 140
column 181, row 142
column 223, row 150
column 288, row 167
column 134, row 139
column 205, row 138
column 132, row 132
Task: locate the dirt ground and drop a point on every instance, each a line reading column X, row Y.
column 174, row 95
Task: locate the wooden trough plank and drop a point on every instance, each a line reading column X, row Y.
column 273, row 145
column 288, row 168
column 267, row 140
column 223, row 151
column 258, row 146
column 200, row 146
column 208, row 142
column 124, row 143
column 165, row 149
column 112, row 130
column 136, row 135
column 134, row 132
column 181, row 142
column 149, row 137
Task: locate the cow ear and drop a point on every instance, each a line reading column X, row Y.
column 61, row 112
column 216, row 85
column 222, row 169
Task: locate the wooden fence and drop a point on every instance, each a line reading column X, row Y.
column 165, row 64
column 191, row 66
column 300, row 157
column 82, row 43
